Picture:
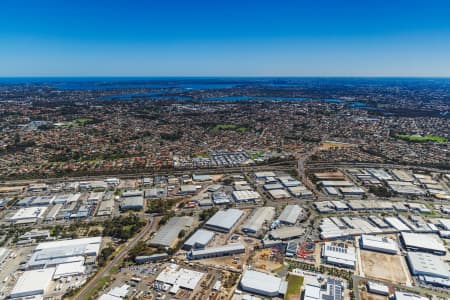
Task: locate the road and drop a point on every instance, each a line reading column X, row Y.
column 284, row 165
column 128, row 246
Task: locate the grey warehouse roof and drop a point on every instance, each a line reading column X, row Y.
column 225, row 219
column 428, row 264
column 290, row 214
column 168, row 234
column 200, row 238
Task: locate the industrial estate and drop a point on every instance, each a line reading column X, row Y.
column 221, row 211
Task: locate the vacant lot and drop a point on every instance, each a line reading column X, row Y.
column 383, row 266
column 294, row 287
column 369, row 296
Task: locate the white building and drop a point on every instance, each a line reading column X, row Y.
column 224, row 220
column 261, row 283
column 33, row 283
column 379, row 244
column 339, row 256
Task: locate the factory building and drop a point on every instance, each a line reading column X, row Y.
column 332, row 290
column 245, row 196
column 150, row 258
column 178, row 277
column 379, row 244
column 290, row 214
column 167, row 235
column 33, row 284
column 378, row 288
column 254, row 224
column 217, row 251
column 279, row 194
column 199, row 239
column 339, row 256
column 425, row 264
column 286, row 233
column 262, row 284
column 28, row 214
column 408, row 296
column 224, row 220
column 52, row 254
column 429, row 243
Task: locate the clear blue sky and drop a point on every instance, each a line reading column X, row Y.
column 224, row 37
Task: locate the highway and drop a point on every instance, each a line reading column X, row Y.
column 105, row 271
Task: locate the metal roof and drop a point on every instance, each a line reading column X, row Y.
column 290, row 214
column 168, row 234
column 260, row 283
column 225, row 219
column 200, row 238
column 428, row 264
column 257, row 219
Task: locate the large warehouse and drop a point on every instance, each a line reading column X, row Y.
column 52, row 254
column 33, row 283
column 245, row 196
column 256, row 221
column 290, row 214
column 339, row 256
column 167, row 236
column 425, row 264
column 199, row 239
column 262, row 284
column 379, row 244
column 217, row 251
column 224, row 220
column 430, row 243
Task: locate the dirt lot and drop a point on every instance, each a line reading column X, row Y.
column 261, row 260
column 370, row 296
column 383, row 266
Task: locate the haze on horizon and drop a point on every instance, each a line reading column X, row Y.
column 225, row 38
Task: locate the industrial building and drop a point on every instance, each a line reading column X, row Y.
column 339, row 256
column 245, row 196
column 286, row 233
column 220, row 198
column 254, row 224
column 379, row 244
column 178, row 277
column 224, row 220
column 188, row 189
column 262, row 284
column 425, row 264
column 408, row 296
column 106, row 208
column 150, row 258
column 430, row 243
column 52, row 254
column 300, row 191
column 217, row 251
column 279, row 194
column 167, row 235
column 288, row 181
column 333, row 289
column 397, row 224
column 199, row 239
column 28, row 214
column 132, row 203
column 32, row 283
column 290, row 214
column 377, row 288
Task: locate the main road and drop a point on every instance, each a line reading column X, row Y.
column 105, row 271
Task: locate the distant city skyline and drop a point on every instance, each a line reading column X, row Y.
column 225, row 38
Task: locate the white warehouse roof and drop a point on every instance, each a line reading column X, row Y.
column 260, row 283
column 260, row 215
column 32, row 283
column 423, row 241
column 381, row 244
column 199, row 239
column 428, row 264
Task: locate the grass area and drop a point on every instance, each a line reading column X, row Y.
column 230, row 127
column 201, row 154
column 422, row 139
column 256, row 155
column 78, row 122
column 100, row 284
column 294, row 287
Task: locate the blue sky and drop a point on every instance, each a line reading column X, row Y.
column 224, row 38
